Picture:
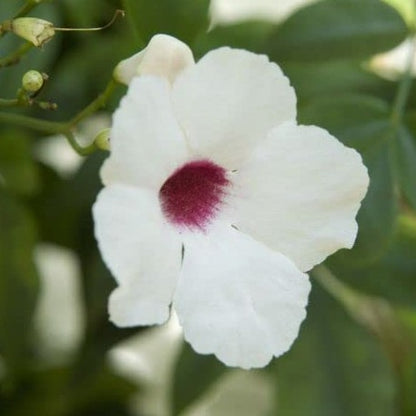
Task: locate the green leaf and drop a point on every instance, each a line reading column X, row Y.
column 51, row 392
column 379, row 210
column 334, row 368
column 183, row 19
column 408, row 318
column 101, row 334
column 249, row 35
column 18, row 280
column 337, row 29
column 405, row 158
column 362, row 122
column 194, row 375
column 325, row 79
column 18, row 172
column 63, row 208
column 393, row 276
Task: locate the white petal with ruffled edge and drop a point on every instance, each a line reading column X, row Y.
column 228, row 101
column 142, row 252
column 147, row 144
column 238, row 299
column 299, row 193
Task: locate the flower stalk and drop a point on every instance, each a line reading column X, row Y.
column 66, row 127
column 403, row 91
column 27, row 8
column 14, row 57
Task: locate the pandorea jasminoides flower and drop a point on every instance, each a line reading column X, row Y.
column 216, row 203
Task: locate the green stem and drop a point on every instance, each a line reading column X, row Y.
column 15, row 56
column 43, row 126
column 27, row 8
column 338, row 290
column 403, row 91
column 95, row 105
column 65, row 128
column 140, row 43
column 9, row 102
column 81, row 150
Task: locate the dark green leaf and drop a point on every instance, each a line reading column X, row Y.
column 363, row 122
column 194, row 375
column 51, row 392
column 250, row 35
column 359, row 121
column 338, row 29
column 183, row 19
column 377, row 216
column 393, row 276
column 63, row 208
column 408, row 318
column 101, row 334
column 327, row 79
column 18, row 280
column 18, row 172
column 334, row 368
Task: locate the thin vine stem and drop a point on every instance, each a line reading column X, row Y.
column 95, row 105
column 13, row 102
column 403, row 91
column 43, row 126
column 65, row 128
column 400, row 101
column 16, row 55
column 81, row 150
column 27, row 8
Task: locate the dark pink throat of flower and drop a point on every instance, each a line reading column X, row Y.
column 193, row 194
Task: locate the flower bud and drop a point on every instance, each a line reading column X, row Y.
column 34, row 30
column 164, row 56
column 32, row 81
column 102, row 140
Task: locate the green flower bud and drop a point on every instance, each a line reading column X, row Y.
column 34, row 30
column 102, row 140
column 32, row 81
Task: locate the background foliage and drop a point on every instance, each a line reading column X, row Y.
column 356, row 353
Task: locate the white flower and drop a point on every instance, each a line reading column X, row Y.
column 393, row 63
column 233, row 11
column 214, row 167
column 165, row 56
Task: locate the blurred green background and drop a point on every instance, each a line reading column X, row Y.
column 356, row 352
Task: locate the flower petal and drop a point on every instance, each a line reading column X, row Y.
column 229, row 100
column 239, row 299
column 126, row 69
column 299, row 193
column 164, row 56
column 146, row 141
column 142, row 252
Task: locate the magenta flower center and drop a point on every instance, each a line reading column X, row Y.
column 193, row 194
